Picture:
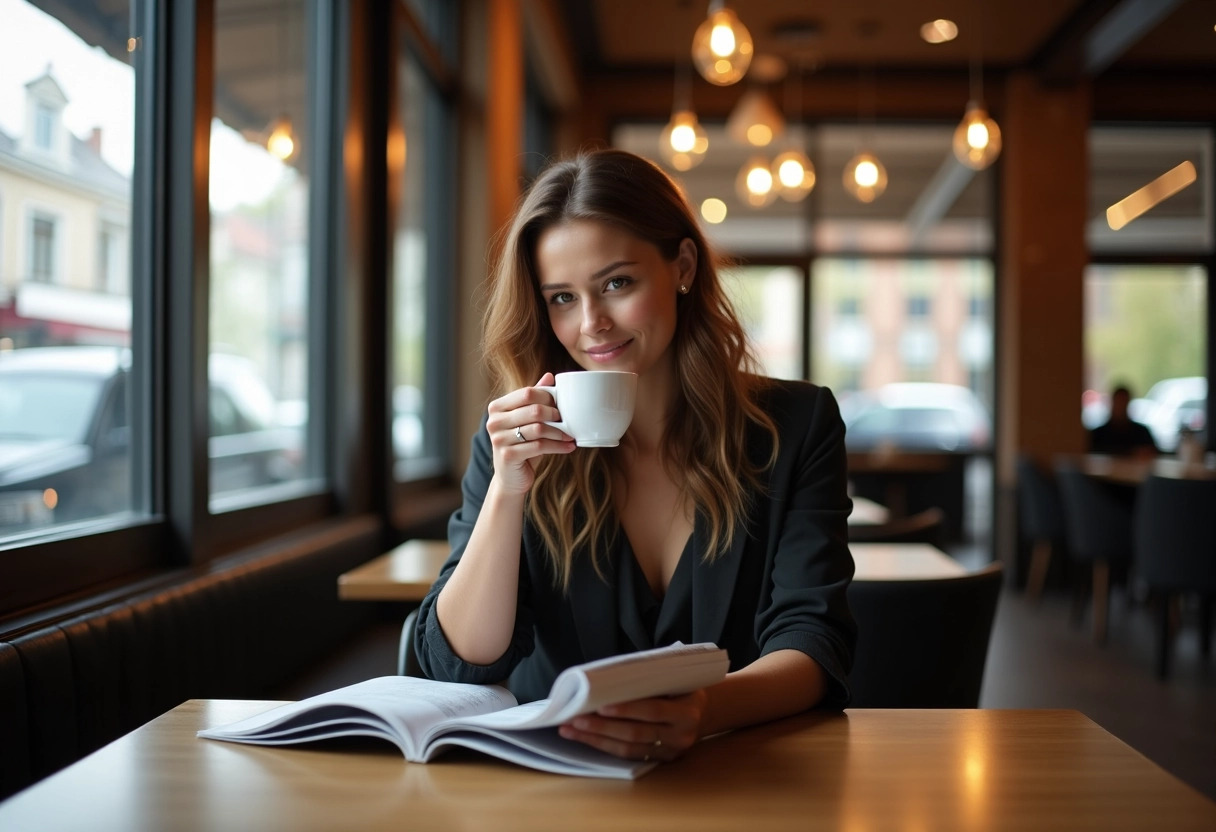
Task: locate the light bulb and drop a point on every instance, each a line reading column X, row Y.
column 722, row 48
column 977, row 139
column 713, row 210
column 755, row 184
column 280, row 141
column 865, row 177
column 795, row 175
column 683, row 142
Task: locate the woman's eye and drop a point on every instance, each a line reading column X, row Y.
column 561, row 298
column 617, row 283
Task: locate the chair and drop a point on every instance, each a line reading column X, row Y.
column 407, row 656
column 923, row 643
column 1175, row 551
column 1098, row 527
column 1042, row 521
column 928, row 526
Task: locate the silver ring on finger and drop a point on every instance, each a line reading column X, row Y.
column 519, row 433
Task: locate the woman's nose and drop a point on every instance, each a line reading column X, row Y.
column 594, row 319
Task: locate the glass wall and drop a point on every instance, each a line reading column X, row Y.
column 422, row 139
column 67, row 155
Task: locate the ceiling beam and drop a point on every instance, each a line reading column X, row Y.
column 1121, row 28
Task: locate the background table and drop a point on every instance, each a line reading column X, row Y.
column 407, row 572
column 863, row 770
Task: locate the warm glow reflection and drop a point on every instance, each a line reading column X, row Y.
column 1161, row 188
column 50, row 498
column 759, row 134
column 713, row 210
column 939, row 31
column 132, row 44
column 280, row 143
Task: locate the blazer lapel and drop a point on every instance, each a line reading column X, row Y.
column 593, row 604
column 713, row 585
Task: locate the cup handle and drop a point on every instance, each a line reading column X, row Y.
column 552, row 391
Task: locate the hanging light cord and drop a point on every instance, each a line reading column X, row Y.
column 977, row 48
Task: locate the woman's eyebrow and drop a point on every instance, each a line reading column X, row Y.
column 548, row 287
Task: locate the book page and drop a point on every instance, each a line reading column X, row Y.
column 396, row 708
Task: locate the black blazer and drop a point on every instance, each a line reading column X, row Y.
column 781, row 585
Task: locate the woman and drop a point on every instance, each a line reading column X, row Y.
column 720, row 517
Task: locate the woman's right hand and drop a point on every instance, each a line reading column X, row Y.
column 518, row 434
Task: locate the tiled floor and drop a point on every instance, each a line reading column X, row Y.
column 1038, row 660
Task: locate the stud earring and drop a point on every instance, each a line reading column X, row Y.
column 683, row 289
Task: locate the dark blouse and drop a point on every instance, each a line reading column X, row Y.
column 647, row 621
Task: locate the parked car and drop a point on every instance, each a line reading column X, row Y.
column 917, row 416
column 1174, row 405
column 65, row 436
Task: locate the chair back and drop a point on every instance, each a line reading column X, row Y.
column 923, row 643
column 1038, row 503
column 1097, row 523
column 407, row 652
column 1175, row 538
column 928, row 526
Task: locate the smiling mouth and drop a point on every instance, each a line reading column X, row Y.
column 608, row 350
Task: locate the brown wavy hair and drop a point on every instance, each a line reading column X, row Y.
column 571, row 503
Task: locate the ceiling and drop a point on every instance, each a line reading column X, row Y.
column 624, row 35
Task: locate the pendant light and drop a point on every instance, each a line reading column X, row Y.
column 865, row 177
column 793, row 172
column 722, row 46
column 755, row 184
column 683, row 142
column 977, row 139
column 755, row 120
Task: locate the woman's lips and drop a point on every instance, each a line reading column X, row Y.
column 608, row 352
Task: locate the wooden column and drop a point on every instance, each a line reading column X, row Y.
column 1044, row 203
column 504, row 107
column 1043, row 211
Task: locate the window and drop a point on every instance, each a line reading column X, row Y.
column 261, row 154
column 1146, row 329
column 44, row 127
column 68, row 428
column 769, row 302
column 113, row 274
column 42, row 248
column 423, row 260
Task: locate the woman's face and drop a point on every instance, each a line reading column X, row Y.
column 611, row 296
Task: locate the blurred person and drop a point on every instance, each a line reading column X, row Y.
column 1120, row 435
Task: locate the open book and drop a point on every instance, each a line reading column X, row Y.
column 424, row 717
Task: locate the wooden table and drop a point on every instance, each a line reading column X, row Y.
column 403, row 574
column 407, row 572
column 863, row 770
column 867, row 513
column 902, row 561
column 1131, row 471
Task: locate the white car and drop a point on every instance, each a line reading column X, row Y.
column 1173, row 405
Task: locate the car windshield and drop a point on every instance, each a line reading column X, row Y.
column 39, row 407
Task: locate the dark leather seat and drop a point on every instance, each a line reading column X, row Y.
column 923, row 643
column 1175, row 552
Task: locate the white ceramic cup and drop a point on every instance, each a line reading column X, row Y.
column 596, row 406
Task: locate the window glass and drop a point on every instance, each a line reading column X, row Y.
column 259, row 196
column 67, row 151
column 907, row 346
column 1146, row 329
column 768, row 300
column 1123, row 160
column 422, row 266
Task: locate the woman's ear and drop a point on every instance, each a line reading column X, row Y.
column 686, row 262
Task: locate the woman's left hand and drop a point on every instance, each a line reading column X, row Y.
column 662, row 728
